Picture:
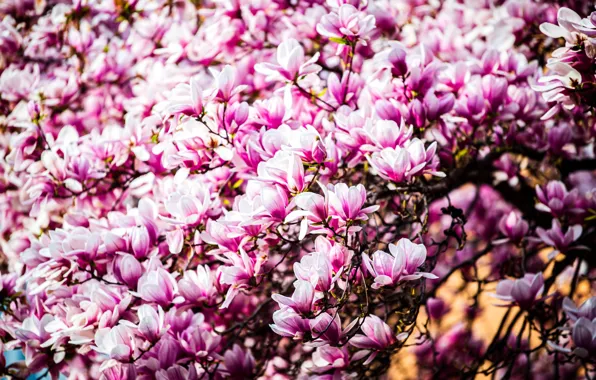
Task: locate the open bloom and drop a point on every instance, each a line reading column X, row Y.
column 301, row 300
column 286, row 322
column 570, row 24
column 291, row 64
column 555, row 198
column 117, row 342
column 227, row 84
column 346, row 202
column 199, row 342
column 386, row 134
column 151, row 324
column 401, row 263
column 377, row 336
column 316, row 269
column 348, row 23
column 328, row 357
column 238, row 363
column 523, row 292
column 189, row 203
column 584, row 337
column 285, row 169
column 326, row 329
column 158, row 286
column 554, row 237
column 586, row 310
column 186, row 99
column 402, row 164
column 198, row 286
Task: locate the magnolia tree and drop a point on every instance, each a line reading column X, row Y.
column 290, row 189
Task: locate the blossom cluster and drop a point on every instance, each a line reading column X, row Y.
column 287, row 189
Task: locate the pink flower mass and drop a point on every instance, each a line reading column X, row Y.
column 297, row 189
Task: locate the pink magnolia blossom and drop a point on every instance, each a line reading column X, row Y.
column 238, row 363
column 400, row 264
column 291, row 63
column 402, row 164
column 301, row 300
column 198, row 286
column 347, row 202
column 377, row 336
column 522, row 292
column 513, row 227
column 286, row 322
column 348, row 23
column 158, row 286
column 116, row 342
column 556, row 238
column 555, row 198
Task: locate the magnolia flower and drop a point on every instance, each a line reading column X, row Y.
column 140, row 241
column 386, row 134
column 326, row 329
column 186, row 98
column 189, row 204
column 158, row 286
column 151, row 325
column 557, row 239
column 306, row 142
column 175, row 240
column 301, row 300
column 402, row 164
column 377, row 337
column 570, row 25
column 284, row 169
column 238, row 363
column 177, row 372
column 555, row 199
column 286, row 322
column 523, row 292
column 198, row 286
column 226, row 84
column 127, row 269
column 337, row 253
column 327, row 358
column 239, row 275
column 584, row 337
column 316, row 269
column 346, row 202
column 119, row 371
column 80, row 243
column 396, row 59
column 586, row 310
column 314, row 210
column 34, row 330
column 513, row 227
column 116, row 342
column 348, row 23
column 559, row 86
column 291, row 63
column 275, row 201
column 400, row 264
column 199, row 342
column 437, row 308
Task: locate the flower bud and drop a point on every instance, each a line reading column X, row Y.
column 417, row 113
column 128, row 270
column 397, row 59
column 33, row 109
column 319, row 153
column 140, row 242
column 436, row 308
